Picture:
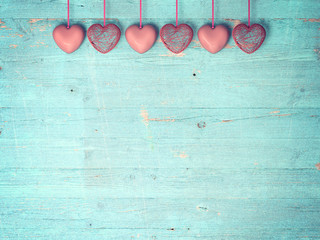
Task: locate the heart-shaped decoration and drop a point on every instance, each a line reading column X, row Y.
column 213, row 39
column 104, row 39
column 249, row 39
column 68, row 39
column 176, row 39
column 141, row 39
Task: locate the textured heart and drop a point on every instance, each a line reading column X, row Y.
column 213, row 39
column 249, row 39
column 141, row 39
column 68, row 39
column 104, row 39
column 176, row 39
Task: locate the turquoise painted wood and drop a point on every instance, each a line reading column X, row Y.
column 158, row 146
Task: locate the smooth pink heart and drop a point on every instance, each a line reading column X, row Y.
column 68, row 39
column 104, row 39
column 141, row 39
column 249, row 39
column 176, row 39
column 213, row 39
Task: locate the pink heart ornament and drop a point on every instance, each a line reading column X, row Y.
column 104, row 39
column 176, row 39
column 249, row 39
column 68, row 39
column 141, row 39
column 213, row 39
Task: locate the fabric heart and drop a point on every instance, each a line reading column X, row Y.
column 176, row 39
column 141, row 39
column 104, row 39
column 68, row 39
column 213, row 39
column 249, row 39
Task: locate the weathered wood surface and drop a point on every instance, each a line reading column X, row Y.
column 158, row 146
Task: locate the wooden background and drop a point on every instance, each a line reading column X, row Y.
column 159, row 146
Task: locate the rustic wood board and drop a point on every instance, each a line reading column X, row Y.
column 159, row 146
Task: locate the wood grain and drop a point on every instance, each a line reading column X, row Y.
column 159, row 146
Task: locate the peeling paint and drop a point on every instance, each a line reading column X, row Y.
column 274, row 112
column 13, row 35
column 39, row 44
column 234, row 21
column 310, row 19
column 317, row 51
column 197, row 44
column 318, row 166
column 183, row 155
column 3, row 26
column 34, row 20
column 171, row 54
column 180, row 154
column 225, row 121
column 167, row 119
column 283, row 115
column 229, row 46
column 145, row 115
column 13, row 45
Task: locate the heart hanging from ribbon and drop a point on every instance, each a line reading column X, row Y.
column 213, row 39
column 141, row 39
column 249, row 39
column 104, row 39
column 68, row 39
column 176, row 39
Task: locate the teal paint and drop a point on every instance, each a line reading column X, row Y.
column 154, row 146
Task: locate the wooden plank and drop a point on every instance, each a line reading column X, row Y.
column 161, row 9
column 163, row 123
column 61, row 231
column 143, row 182
column 163, row 218
column 163, row 153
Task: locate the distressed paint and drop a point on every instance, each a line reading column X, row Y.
column 159, row 146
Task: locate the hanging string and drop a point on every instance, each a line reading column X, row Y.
column 176, row 13
column 140, row 14
column 212, row 13
column 68, row 16
column 249, row 13
column 104, row 13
